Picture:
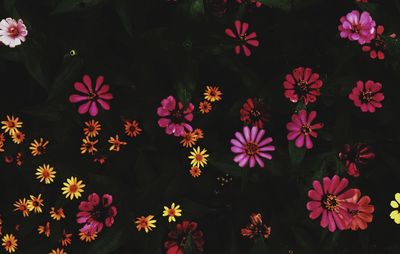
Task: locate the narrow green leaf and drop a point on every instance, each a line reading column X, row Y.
column 121, row 7
column 76, row 5
column 296, row 154
column 259, row 246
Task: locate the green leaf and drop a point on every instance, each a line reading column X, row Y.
column 110, row 241
column 285, row 5
column 189, row 246
column 76, row 5
column 259, row 246
column 296, row 154
column 31, row 53
column 121, row 7
column 228, row 168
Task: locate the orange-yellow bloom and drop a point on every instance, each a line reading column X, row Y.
column 22, row 206
column 35, row 203
column 45, row 173
column 115, row 143
column 73, row 188
column 88, row 146
column 146, row 223
column 10, row 243
column 205, row 107
column 212, row 93
column 18, row 137
column 132, row 128
column 92, row 128
column 38, row 147
column 44, row 229
column 11, row 125
column 57, row 214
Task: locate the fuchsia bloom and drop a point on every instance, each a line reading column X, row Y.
column 301, row 128
column 330, row 200
column 355, row 156
column 174, row 116
column 356, row 27
column 377, row 46
column 362, row 212
column 367, row 96
column 94, row 214
column 257, row 3
column 177, row 238
column 251, row 146
column 91, row 97
column 302, row 85
column 12, row 33
column 241, row 34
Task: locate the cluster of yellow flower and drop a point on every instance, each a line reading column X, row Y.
column 211, row 94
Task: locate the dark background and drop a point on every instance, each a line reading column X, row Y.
column 148, row 50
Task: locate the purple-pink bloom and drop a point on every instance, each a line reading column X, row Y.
column 91, row 97
column 301, row 128
column 243, row 37
column 12, row 32
column 95, row 213
column 174, row 116
column 251, row 146
column 356, row 27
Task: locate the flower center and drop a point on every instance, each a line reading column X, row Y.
column 144, row 223
column 356, row 28
column 10, row 124
column 35, row 203
column 199, row 157
column 331, row 203
column 243, row 36
column 177, row 116
column 171, row 212
column 41, row 149
column 8, row 244
column 46, row 174
column 92, row 96
column 353, row 212
column 366, row 96
column 73, row 188
column 251, row 148
column 306, row 129
column 13, row 31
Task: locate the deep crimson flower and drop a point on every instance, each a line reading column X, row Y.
column 174, row 116
column 94, row 214
column 330, row 201
column 251, row 147
column 302, row 85
column 377, row 46
column 354, row 156
column 257, row 3
column 367, row 96
column 356, row 27
column 177, row 238
column 362, row 212
column 91, row 97
column 241, row 34
column 256, row 227
column 253, row 112
column 301, row 128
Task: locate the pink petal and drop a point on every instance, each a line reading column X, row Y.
column 105, row 105
column 88, row 82
column 77, row 98
column 81, row 87
column 99, row 81
column 84, row 107
column 93, row 110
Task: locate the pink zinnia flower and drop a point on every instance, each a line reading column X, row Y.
column 251, row 147
column 362, row 212
column 241, row 34
column 367, row 96
column 12, row 33
column 301, row 128
column 174, row 116
column 357, row 27
column 355, row 156
column 329, row 200
column 95, row 213
column 256, row 2
column 302, row 85
column 91, row 97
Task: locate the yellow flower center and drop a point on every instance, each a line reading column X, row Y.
column 331, row 203
column 73, row 188
column 251, row 148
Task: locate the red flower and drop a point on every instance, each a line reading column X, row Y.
column 95, row 214
column 377, row 46
column 253, row 113
column 362, row 213
column 355, row 156
column 241, row 34
column 177, row 238
column 302, row 85
column 367, row 96
column 256, row 227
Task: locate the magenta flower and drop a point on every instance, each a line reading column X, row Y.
column 355, row 156
column 257, row 3
column 91, row 97
column 302, row 85
column 301, row 128
column 241, row 34
column 94, row 214
column 251, row 147
column 331, row 201
column 174, row 116
column 356, row 27
column 367, row 96
column 12, row 33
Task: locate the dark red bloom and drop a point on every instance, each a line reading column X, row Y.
column 256, row 227
column 377, row 46
column 177, row 238
column 302, row 85
column 355, row 156
column 253, row 112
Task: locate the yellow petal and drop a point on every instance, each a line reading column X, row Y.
column 393, row 214
column 394, row 204
column 397, row 197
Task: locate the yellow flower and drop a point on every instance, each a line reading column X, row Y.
column 9, row 243
column 11, row 125
column 35, row 203
column 92, row 128
column 45, row 173
column 205, row 107
column 38, row 148
column 66, row 238
column 199, row 158
column 212, row 93
column 73, row 188
column 132, row 128
column 115, row 143
column 87, row 236
column 57, row 214
column 146, row 223
column 172, row 212
column 195, row 171
column 44, row 229
column 88, row 146
column 22, row 206
column 18, row 137
column 189, row 139
column 395, row 214
column 58, row 251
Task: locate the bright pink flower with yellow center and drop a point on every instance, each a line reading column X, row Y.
column 301, row 128
column 356, row 27
column 12, row 32
column 243, row 37
column 330, row 201
column 100, row 94
column 251, row 146
column 367, row 96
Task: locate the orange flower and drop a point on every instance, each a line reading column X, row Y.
column 199, row 133
column 256, row 227
column 115, row 143
column 362, row 213
column 132, row 128
column 205, row 107
column 38, row 148
column 195, row 171
column 57, row 214
column 18, row 137
column 11, row 125
column 212, row 93
column 58, row 251
column 87, row 236
column 189, row 139
column 66, row 239
column 44, row 229
column 92, row 128
column 22, row 206
column 88, row 146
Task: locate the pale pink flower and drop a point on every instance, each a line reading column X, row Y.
column 12, row 32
